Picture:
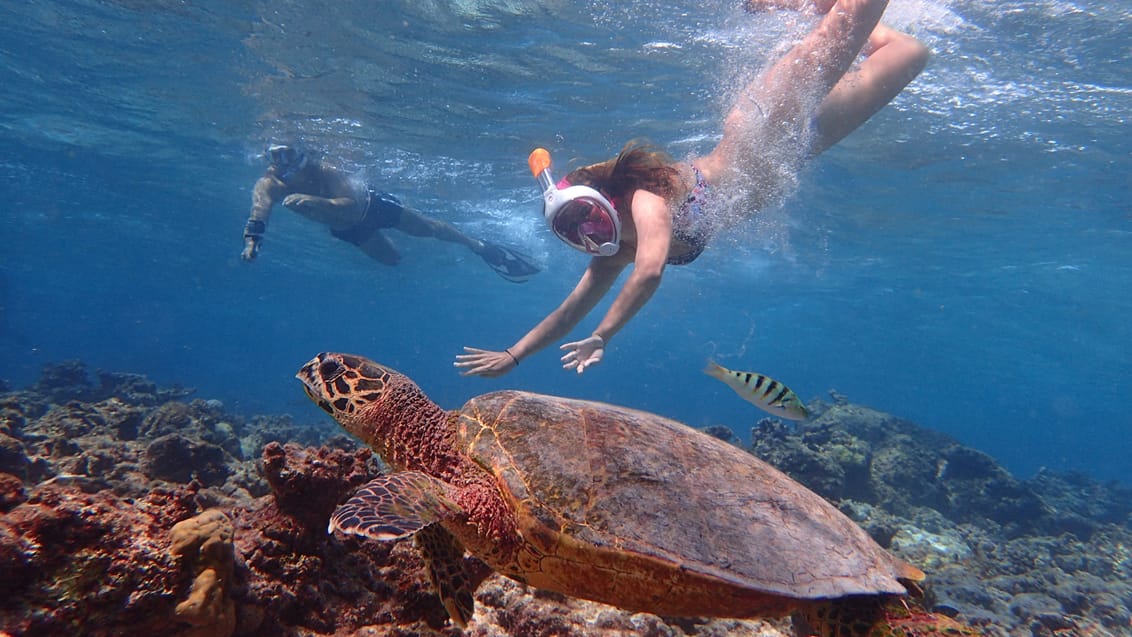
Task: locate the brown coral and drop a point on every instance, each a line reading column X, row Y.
column 205, row 542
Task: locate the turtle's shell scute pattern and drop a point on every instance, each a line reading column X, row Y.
column 636, row 483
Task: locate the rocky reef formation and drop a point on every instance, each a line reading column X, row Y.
column 1044, row 556
column 128, row 509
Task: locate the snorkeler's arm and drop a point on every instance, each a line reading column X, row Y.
column 334, row 183
column 598, row 278
column 345, row 206
column 266, row 191
column 595, row 282
column 265, row 194
column 654, row 237
column 300, row 202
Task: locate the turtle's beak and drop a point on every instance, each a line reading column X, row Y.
column 313, row 375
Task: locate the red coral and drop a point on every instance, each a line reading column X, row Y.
column 87, row 559
column 299, row 576
column 11, row 492
column 309, row 483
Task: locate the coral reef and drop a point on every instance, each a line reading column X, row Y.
column 89, row 563
column 127, row 509
column 1045, row 556
column 205, row 543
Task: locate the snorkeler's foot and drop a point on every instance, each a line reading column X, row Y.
column 513, row 266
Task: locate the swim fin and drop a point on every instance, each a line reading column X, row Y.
column 509, row 264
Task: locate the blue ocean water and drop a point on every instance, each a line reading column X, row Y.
column 962, row 260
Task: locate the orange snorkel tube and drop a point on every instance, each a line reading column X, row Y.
column 539, row 163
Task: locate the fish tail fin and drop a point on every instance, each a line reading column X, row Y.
column 715, row 370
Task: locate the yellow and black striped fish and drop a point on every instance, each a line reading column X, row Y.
column 764, row 392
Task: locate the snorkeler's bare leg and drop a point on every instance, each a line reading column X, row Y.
column 418, row 225
column 893, row 60
column 818, row 6
column 776, row 110
column 341, row 212
column 379, row 248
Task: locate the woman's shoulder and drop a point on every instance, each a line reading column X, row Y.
column 681, row 180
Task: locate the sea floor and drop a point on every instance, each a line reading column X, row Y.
column 131, row 509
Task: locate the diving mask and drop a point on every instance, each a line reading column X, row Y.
column 580, row 216
column 286, row 160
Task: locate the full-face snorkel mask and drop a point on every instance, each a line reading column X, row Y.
column 579, row 215
column 286, row 160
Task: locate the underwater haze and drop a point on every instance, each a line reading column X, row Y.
column 964, row 260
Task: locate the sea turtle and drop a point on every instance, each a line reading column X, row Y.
column 604, row 503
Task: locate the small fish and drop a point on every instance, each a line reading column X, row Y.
column 762, row 391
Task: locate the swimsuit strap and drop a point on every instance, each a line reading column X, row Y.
column 701, row 184
column 690, row 224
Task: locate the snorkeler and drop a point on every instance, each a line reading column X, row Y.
column 644, row 208
column 357, row 215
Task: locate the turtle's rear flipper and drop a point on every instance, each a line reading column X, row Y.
column 444, row 556
column 394, row 506
column 866, row 615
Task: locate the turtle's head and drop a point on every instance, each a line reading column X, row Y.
column 343, row 384
column 382, row 407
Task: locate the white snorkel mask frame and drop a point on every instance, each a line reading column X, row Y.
column 556, row 200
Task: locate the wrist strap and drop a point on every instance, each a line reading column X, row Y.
column 254, row 228
column 508, row 352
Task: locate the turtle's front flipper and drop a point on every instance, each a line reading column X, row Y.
column 444, row 556
column 394, row 506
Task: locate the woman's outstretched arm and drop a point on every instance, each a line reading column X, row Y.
column 598, row 278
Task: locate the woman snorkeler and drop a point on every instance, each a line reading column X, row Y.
column 644, row 208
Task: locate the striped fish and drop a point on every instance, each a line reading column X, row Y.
column 762, row 391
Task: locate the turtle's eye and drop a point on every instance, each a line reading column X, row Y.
column 330, row 370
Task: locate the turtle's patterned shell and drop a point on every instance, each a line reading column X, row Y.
column 632, row 482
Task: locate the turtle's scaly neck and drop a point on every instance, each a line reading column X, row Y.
column 410, row 432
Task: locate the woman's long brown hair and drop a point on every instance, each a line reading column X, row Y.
column 640, row 166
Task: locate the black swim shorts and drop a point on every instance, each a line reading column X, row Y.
column 383, row 210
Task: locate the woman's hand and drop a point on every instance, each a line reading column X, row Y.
column 584, row 353
column 482, row 362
